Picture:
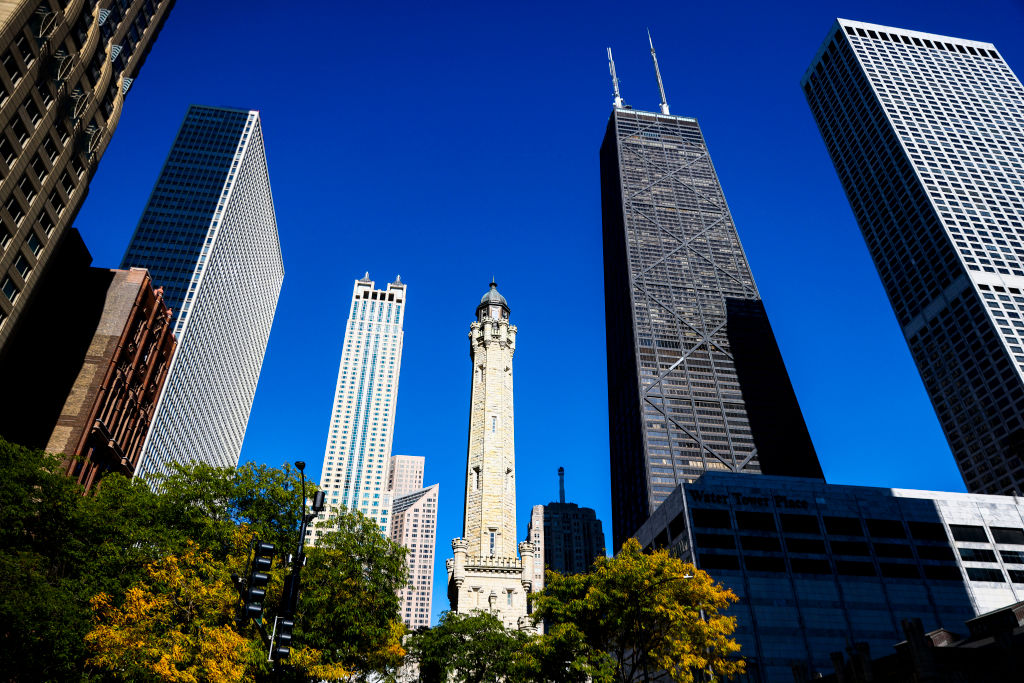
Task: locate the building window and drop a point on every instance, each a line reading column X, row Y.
column 9, row 289
column 494, row 423
column 492, row 544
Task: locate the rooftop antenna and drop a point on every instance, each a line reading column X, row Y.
column 615, row 80
column 657, row 72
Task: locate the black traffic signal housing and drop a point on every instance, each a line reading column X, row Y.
column 282, row 646
column 255, row 593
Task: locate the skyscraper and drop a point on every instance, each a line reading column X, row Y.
column 927, row 135
column 355, row 469
column 405, row 474
column 65, row 69
column 414, row 527
column 487, row 573
column 570, row 537
column 208, row 236
column 695, row 378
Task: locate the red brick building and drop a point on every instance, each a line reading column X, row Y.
column 107, row 412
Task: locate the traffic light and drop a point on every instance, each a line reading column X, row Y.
column 263, row 558
column 283, row 639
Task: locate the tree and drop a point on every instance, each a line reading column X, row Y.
column 175, row 625
column 470, row 648
column 648, row 612
column 130, row 546
column 348, row 609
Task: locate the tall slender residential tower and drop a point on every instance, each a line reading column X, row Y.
column 927, row 135
column 355, row 469
column 695, row 378
column 65, row 70
column 208, row 236
column 487, row 572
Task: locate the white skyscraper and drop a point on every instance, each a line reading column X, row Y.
column 209, row 237
column 926, row 133
column 355, row 468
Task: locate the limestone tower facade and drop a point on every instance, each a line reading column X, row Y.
column 487, row 572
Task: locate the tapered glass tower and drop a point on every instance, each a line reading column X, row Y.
column 209, row 237
column 927, row 135
column 695, row 378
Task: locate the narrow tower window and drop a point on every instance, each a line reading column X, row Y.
column 494, row 423
column 492, row 544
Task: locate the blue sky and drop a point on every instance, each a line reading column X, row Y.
column 447, row 142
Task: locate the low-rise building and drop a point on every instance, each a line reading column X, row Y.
column 820, row 566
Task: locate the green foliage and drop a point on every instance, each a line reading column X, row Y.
column 77, row 565
column 634, row 615
column 470, row 648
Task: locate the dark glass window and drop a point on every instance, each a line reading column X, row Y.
column 964, row 532
column 927, row 531
column 899, row 571
column 942, row 572
column 893, row 550
column 764, row 564
column 850, row 548
column 810, row 566
column 799, row 524
column 718, row 561
column 843, row 526
column 769, row 543
column 711, row 519
column 851, row 568
column 935, row 552
column 977, row 555
column 715, row 541
column 677, row 527
column 755, row 521
column 1016, row 575
column 985, row 574
column 1012, row 556
column 886, row 528
column 805, row 545
column 1007, row 535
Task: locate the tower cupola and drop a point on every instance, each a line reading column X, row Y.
column 492, row 305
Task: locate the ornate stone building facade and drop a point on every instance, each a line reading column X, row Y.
column 487, row 572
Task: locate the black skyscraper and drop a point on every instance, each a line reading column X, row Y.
column 695, row 378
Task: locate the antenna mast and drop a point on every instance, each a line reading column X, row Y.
column 657, row 72
column 615, row 80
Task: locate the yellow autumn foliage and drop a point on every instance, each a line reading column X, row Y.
column 176, row 625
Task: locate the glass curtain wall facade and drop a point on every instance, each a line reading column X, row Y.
column 926, row 133
column 209, row 237
column 65, row 70
column 355, row 469
column 695, row 379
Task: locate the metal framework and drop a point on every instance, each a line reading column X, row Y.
column 671, row 243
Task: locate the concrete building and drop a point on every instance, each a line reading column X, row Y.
column 355, row 470
column 65, row 69
column 405, row 474
column 819, row 566
column 414, row 527
column 487, row 573
column 208, row 236
column 927, row 135
column 571, row 537
column 696, row 382
column 107, row 414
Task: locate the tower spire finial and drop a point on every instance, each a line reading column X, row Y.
column 615, row 80
column 657, row 72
